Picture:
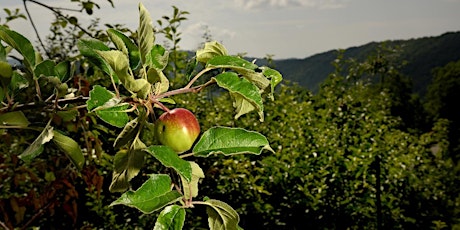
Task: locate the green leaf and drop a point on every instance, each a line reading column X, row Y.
column 70, row 148
column 16, row 118
column 125, row 44
column 246, row 95
column 190, row 189
column 36, row 148
column 274, row 76
column 3, row 53
column 107, row 107
column 221, row 216
column 231, row 62
column 67, row 115
column 45, row 68
column 116, row 115
column 18, row 81
column 171, row 218
column 127, row 164
column 21, row 44
column 169, row 158
column 159, row 80
column 146, row 37
column 98, row 96
column 63, row 70
column 129, row 132
column 157, row 58
column 210, row 50
column 230, row 141
column 153, row 195
column 119, row 62
column 90, row 48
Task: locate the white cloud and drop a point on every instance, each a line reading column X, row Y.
column 320, row 4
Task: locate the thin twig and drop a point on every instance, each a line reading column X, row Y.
column 32, row 104
column 196, row 77
column 185, row 89
column 35, row 28
column 57, row 12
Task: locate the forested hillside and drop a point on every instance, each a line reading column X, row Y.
column 421, row 54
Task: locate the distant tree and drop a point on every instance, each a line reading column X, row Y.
column 442, row 100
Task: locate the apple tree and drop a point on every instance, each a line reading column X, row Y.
column 138, row 107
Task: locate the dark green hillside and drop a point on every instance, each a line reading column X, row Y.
column 421, row 54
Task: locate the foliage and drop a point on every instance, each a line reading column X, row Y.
column 136, row 93
column 341, row 161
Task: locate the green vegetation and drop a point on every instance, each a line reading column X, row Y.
column 78, row 149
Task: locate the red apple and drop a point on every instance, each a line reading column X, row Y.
column 178, row 129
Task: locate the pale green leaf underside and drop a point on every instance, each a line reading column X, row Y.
column 190, row 188
column 221, row 216
column 145, row 31
column 210, row 50
column 230, row 141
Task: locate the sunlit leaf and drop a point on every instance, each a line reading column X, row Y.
column 231, row 62
column 242, row 91
column 229, row 141
column 125, row 44
column 153, row 195
column 146, row 37
column 116, row 115
column 169, row 158
column 119, row 62
column 157, row 58
column 159, row 80
column 171, row 218
column 98, row 96
column 210, row 50
column 274, row 76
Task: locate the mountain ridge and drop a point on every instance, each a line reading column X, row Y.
column 422, row 55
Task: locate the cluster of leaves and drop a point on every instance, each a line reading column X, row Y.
column 137, row 93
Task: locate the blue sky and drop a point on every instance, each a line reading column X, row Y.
column 283, row 28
